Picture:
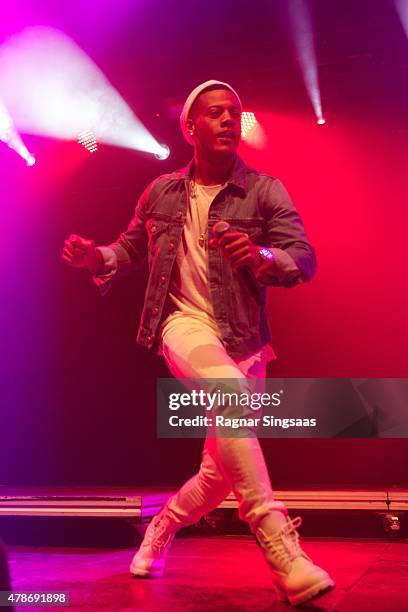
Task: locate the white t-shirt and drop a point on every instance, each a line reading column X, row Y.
column 189, row 291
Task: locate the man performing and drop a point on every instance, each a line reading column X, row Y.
column 205, row 311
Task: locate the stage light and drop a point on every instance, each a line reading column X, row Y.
column 30, row 161
column 248, row 122
column 321, row 121
column 302, row 35
column 164, row 153
column 5, row 121
column 52, row 88
column 11, row 138
column 402, row 10
column 87, row 139
column 251, row 130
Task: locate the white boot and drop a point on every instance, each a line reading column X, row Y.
column 294, row 571
column 150, row 559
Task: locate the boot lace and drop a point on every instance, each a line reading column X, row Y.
column 284, row 544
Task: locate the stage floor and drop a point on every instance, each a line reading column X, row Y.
column 215, row 573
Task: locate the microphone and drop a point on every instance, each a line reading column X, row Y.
column 222, row 227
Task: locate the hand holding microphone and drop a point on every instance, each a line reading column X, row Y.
column 240, row 252
column 236, row 247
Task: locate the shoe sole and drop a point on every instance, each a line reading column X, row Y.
column 146, row 573
column 316, row 590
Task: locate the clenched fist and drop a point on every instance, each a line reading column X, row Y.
column 81, row 253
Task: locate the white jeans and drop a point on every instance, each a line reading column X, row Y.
column 192, row 349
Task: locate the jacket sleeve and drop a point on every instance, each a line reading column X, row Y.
column 294, row 257
column 128, row 251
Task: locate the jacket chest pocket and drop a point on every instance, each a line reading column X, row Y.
column 253, row 227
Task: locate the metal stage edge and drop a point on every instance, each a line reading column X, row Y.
column 144, row 503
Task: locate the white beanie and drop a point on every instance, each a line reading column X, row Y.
column 189, row 103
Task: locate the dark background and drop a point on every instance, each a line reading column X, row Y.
column 77, row 395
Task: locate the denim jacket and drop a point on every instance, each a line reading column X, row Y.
column 251, row 202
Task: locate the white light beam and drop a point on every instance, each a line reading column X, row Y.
column 402, row 10
column 53, row 88
column 302, row 34
column 12, row 139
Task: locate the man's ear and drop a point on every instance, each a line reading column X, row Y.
column 190, row 126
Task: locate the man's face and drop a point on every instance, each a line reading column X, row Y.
column 215, row 119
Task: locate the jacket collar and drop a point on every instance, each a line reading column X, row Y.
column 237, row 178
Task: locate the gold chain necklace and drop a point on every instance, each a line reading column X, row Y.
column 202, row 239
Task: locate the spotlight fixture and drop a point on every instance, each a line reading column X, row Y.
column 163, row 153
column 30, row 160
column 10, row 136
column 302, row 32
column 391, row 522
column 88, row 140
column 248, row 122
